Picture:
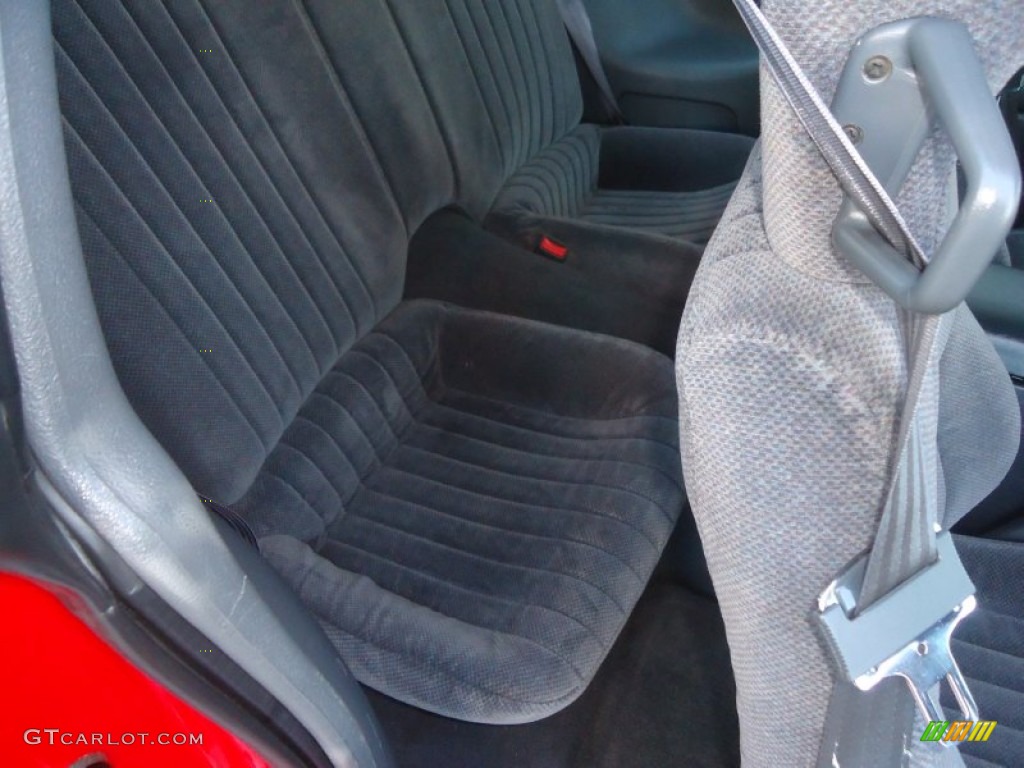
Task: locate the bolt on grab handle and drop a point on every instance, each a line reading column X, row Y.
column 903, row 79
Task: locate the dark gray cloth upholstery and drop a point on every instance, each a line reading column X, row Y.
column 638, row 297
column 649, row 182
column 502, row 82
column 670, row 160
column 989, row 647
column 467, row 497
column 222, row 208
column 470, row 504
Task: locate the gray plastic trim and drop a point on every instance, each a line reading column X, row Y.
column 88, row 441
column 926, row 72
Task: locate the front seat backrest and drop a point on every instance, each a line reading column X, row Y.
column 791, row 374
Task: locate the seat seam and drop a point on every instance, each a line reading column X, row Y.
column 338, row 404
column 523, row 118
column 499, row 144
column 428, row 421
column 330, row 436
column 396, row 436
column 231, row 398
column 251, row 204
column 431, row 102
column 344, row 97
column 174, row 201
column 295, row 492
column 551, row 106
column 508, row 154
column 534, row 505
column 419, row 660
column 587, row 460
column 536, row 431
column 199, row 294
column 429, row 542
column 456, row 587
column 282, row 443
column 459, row 588
column 404, row 395
column 590, row 484
column 528, row 409
column 514, row 532
column 534, row 116
column 199, row 238
column 416, row 413
column 272, row 185
column 351, row 263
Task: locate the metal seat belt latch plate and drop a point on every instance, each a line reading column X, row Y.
column 905, row 634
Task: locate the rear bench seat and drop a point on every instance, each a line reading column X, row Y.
column 470, row 504
column 501, row 79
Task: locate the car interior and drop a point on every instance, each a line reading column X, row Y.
column 348, row 339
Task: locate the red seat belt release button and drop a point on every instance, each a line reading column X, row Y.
column 552, row 249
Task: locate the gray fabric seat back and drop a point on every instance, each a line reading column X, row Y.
column 502, row 82
column 243, row 220
column 791, row 375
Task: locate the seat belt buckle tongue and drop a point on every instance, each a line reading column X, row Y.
column 907, row 633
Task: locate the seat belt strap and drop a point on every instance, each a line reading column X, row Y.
column 581, row 31
column 906, row 538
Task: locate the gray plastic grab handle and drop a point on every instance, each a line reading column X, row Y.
column 942, row 61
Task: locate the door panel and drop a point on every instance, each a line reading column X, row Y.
column 679, row 63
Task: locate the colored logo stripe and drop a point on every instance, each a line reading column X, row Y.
column 959, row 730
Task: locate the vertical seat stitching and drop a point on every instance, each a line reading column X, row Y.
column 295, row 491
column 383, row 416
column 545, row 120
column 348, row 261
column 378, row 456
column 184, row 217
column 518, row 111
column 334, row 74
column 499, row 144
column 360, row 475
column 241, row 188
column 509, row 154
column 548, row 64
column 276, row 191
column 174, row 322
column 427, row 94
column 283, row 443
column 157, row 240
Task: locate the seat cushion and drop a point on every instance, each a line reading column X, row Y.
column 472, row 504
column 653, row 181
